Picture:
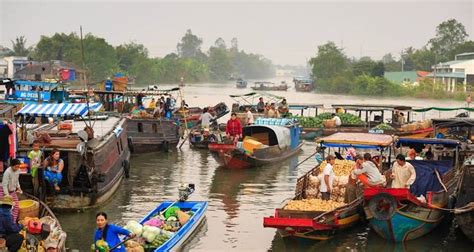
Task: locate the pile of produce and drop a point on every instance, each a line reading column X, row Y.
column 157, row 230
column 383, row 126
column 317, row 121
column 312, row 205
column 342, row 170
column 417, row 125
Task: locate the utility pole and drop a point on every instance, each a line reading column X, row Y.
column 401, row 58
column 83, row 61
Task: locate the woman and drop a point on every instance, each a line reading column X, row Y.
column 233, row 130
column 54, row 167
column 109, row 233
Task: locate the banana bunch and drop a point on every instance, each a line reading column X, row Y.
column 341, row 167
column 313, row 205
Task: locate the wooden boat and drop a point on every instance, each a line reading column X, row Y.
column 464, row 207
column 269, row 86
column 93, row 168
column 37, row 91
column 200, row 138
column 147, row 134
column 250, row 100
column 278, row 139
column 303, row 84
column 192, row 116
column 322, row 225
column 179, row 238
column 398, row 214
column 241, row 83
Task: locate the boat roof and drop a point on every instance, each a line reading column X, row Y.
column 453, row 122
column 250, row 97
column 281, row 134
column 4, row 108
column 359, row 140
column 304, row 105
column 58, row 110
column 371, row 107
column 276, row 121
column 445, row 142
column 443, row 109
column 43, row 84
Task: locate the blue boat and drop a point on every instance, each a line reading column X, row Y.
column 179, row 238
column 401, row 214
column 37, row 91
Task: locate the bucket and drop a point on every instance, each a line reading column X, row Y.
column 28, row 208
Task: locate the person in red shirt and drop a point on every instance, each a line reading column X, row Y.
column 233, row 128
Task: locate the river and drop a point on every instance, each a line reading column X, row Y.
column 238, row 200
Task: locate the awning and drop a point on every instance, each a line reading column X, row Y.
column 278, row 135
column 359, row 139
column 445, row 142
column 37, row 84
column 443, row 109
column 59, row 110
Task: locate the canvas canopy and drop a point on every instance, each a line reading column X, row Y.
column 59, row 110
column 359, row 140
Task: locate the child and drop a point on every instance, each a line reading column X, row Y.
column 35, row 157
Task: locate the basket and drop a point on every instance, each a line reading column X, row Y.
column 28, row 208
column 329, row 123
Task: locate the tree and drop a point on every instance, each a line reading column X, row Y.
column 60, row 46
column 363, row 66
column 423, row 59
column 19, row 46
column 449, row 34
column 378, row 70
column 130, row 54
column 329, row 61
column 220, row 64
column 234, row 43
column 467, row 46
column 390, row 64
column 407, row 59
column 220, row 43
column 100, row 58
column 190, row 45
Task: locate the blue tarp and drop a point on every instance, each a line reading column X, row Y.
column 72, row 74
column 445, row 142
column 426, row 179
column 357, row 146
column 36, row 84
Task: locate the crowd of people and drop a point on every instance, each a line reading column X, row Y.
column 271, row 111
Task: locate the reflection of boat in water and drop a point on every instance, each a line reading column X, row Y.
column 465, row 200
column 268, row 141
column 398, row 214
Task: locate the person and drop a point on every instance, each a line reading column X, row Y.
column 109, row 232
column 206, row 118
column 152, row 105
column 11, row 185
column 403, row 173
column 369, row 170
column 396, row 117
column 157, row 112
column 35, row 157
column 351, row 186
column 411, row 153
column 337, row 119
column 248, row 117
column 468, row 100
column 233, row 128
column 351, row 153
column 328, row 178
column 54, row 166
column 401, row 119
column 429, row 154
column 273, row 112
column 260, row 105
column 283, row 108
column 140, row 99
column 9, row 230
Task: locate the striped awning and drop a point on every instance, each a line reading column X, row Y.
column 58, row 110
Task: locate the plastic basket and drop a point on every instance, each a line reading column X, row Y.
column 28, row 208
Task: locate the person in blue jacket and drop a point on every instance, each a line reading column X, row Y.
column 9, row 230
column 109, row 233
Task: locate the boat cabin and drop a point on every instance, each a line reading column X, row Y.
column 37, row 91
column 374, row 114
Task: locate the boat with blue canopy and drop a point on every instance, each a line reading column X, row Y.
column 402, row 214
column 37, row 91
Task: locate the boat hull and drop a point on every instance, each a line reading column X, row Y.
column 179, row 238
column 465, row 197
column 148, row 135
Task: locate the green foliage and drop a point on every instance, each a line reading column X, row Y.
column 467, row 46
column 423, row 59
column 329, row 62
column 19, row 46
column 220, row 64
column 449, row 34
column 317, row 121
column 363, row 66
column 190, row 45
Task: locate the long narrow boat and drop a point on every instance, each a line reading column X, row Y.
column 400, row 214
column 269, row 86
column 324, row 224
column 270, row 141
column 179, row 238
column 464, row 207
column 241, row 83
column 303, row 84
column 94, row 163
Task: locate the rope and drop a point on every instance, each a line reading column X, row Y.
column 466, row 208
column 440, row 181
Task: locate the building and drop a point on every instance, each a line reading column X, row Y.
column 14, row 63
column 50, row 70
column 457, row 74
column 3, row 68
column 405, row 77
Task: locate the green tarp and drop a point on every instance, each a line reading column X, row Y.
column 443, row 109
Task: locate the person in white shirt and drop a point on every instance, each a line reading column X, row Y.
column 249, row 117
column 11, row 185
column 337, row 119
column 369, row 169
column 328, row 177
column 403, row 173
column 206, row 118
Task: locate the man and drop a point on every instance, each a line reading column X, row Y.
column 9, row 230
column 403, row 173
column 283, row 108
column 248, row 117
column 401, row 119
column 233, row 128
column 11, row 185
column 260, row 105
column 369, row 170
column 328, row 178
column 206, row 118
column 337, row 119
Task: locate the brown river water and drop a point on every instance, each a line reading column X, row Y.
column 238, row 200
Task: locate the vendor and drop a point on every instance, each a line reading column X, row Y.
column 328, row 178
column 403, row 173
column 206, row 118
column 109, row 233
column 283, row 108
column 233, row 128
column 54, row 166
column 337, row 119
column 11, row 185
column 9, row 230
column 371, row 175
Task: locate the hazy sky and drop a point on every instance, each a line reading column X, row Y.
column 285, row 32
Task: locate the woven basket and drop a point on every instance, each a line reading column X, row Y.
column 28, row 208
column 329, row 123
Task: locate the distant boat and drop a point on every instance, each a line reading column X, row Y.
column 303, row 84
column 241, row 83
column 269, row 86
